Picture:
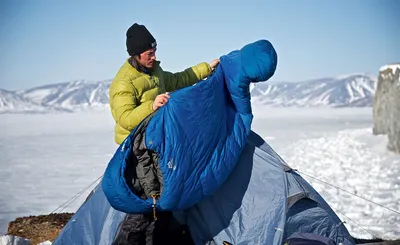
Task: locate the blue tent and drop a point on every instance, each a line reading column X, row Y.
column 220, row 178
column 263, row 201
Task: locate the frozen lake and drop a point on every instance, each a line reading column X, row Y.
column 47, row 159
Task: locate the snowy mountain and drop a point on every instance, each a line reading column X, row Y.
column 12, row 102
column 346, row 91
column 60, row 97
column 74, row 95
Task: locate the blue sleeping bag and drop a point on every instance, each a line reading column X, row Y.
column 198, row 135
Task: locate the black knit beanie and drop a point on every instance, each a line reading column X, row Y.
column 139, row 39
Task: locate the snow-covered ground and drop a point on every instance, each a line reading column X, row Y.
column 47, row 159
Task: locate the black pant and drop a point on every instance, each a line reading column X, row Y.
column 141, row 229
column 135, row 229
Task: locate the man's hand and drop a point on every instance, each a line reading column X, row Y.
column 160, row 101
column 214, row 64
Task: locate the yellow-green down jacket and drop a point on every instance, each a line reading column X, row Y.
column 132, row 93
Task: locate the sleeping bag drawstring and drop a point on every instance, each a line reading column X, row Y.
column 154, row 206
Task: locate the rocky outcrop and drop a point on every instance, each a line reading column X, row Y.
column 41, row 229
column 386, row 108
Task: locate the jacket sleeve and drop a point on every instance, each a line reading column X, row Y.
column 188, row 77
column 125, row 104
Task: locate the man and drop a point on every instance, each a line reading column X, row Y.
column 140, row 88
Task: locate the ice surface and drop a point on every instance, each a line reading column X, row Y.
column 47, row 159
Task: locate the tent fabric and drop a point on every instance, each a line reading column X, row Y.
column 95, row 222
column 198, row 136
column 249, row 208
column 252, row 207
column 308, row 239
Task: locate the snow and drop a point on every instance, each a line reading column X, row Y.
column 350, row 91
column 37, row 95
column 340, row 159
column 393, row 67
column 48, row 158
column 252, row 87
column 13, row 240
column 358, row 88
column 392, row 74
column 347, row 76
column 45, row 243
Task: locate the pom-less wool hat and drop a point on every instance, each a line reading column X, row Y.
column 139, row 39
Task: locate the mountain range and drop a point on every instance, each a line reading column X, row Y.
column 355, row 90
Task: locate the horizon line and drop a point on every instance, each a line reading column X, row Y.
column 271, row 80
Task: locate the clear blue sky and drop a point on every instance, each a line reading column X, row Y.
column 45, row 41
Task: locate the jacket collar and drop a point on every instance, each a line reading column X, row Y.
column 144, row 69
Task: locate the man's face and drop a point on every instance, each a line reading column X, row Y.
column 147, row 58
